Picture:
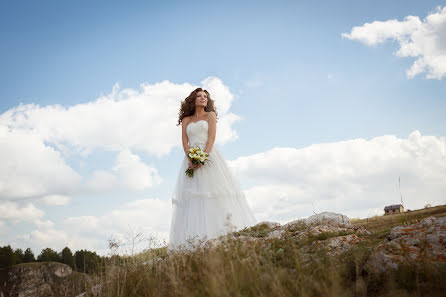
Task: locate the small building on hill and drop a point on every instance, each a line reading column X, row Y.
column 393, row 209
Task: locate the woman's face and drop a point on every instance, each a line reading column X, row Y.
column 201, row 99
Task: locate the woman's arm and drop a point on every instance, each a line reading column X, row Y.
column 212, row 131
column 184, row 137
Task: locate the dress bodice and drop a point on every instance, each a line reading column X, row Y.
column 197, row 133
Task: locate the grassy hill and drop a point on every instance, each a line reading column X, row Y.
column 385, row 222
column 292, row 264
column 272, row 260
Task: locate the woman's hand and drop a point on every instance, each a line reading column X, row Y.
column 194, row 166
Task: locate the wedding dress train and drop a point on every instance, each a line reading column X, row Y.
column 202, row 206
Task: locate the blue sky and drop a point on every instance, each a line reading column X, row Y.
column 293, row 82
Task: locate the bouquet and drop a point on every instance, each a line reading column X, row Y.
column 196, row 155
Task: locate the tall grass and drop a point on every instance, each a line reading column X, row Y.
column 266, row 267
column 379, row 223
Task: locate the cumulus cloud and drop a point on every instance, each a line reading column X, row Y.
column 29, row 168
column 40, row 239
column 356, row 177
column 150, row 215
column 2, row 227
column 142, row 120
column 43, row 224
column 129, row 171
column 101, row 181
column 133, row 173
column 56, row 199
column 424, row 40
column 36, row 141
column 13, row 212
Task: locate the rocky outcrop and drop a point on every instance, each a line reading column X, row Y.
column 334, row 234
column 333, row 231
column 328, row 218
column 413, row 244
column 268, row 224
column 330, row 231
column 45, row 279
column 336, row 245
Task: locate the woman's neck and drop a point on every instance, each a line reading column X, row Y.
column 199, row 111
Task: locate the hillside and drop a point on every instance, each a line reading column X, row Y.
column 379, row 223
column 324, row 255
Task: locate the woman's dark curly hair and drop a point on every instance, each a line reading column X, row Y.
column 188, row 105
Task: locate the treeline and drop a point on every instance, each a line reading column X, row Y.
column 82, row 261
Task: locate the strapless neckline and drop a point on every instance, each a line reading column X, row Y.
column 195, row 122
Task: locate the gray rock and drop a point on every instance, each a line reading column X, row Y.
column 328, row 218
column 425, row 240
column 296, row 224
column 45, row 279
column 275, row 234
column 271, row 225
column 342, row 244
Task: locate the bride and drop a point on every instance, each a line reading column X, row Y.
column 211, row 203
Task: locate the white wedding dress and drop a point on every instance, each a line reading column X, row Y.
column 209, row 204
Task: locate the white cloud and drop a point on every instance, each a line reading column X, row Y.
column 44, row 238
column 424, row 40
column 29, row 168
column 133, row 173
column 356, row 177
column 14, row 213
column 92, row 232
column 56, row 199
column 43, row 224
column 36, row 141
column 125, row 119
column 129, row 171
column 3, row 229
column 101, row 181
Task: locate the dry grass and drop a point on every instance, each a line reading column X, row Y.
column 264, row 267
column 276, row 267
column 241, row 269
column 380, row 223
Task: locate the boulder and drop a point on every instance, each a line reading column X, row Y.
column 341, row 244
column 295, row 225
column 269, row 224
column 412, row 244
column 276, row 234
column 45, row 279
column 328, row 218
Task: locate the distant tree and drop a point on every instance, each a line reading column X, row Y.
column 6, row 256
column 29, row 256
column 48, row 255
column 427, row 205
column 116, row 259
column 18, row 256
column 87, row 261
column 67, row 257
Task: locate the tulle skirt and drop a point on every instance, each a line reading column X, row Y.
column 209, row 204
